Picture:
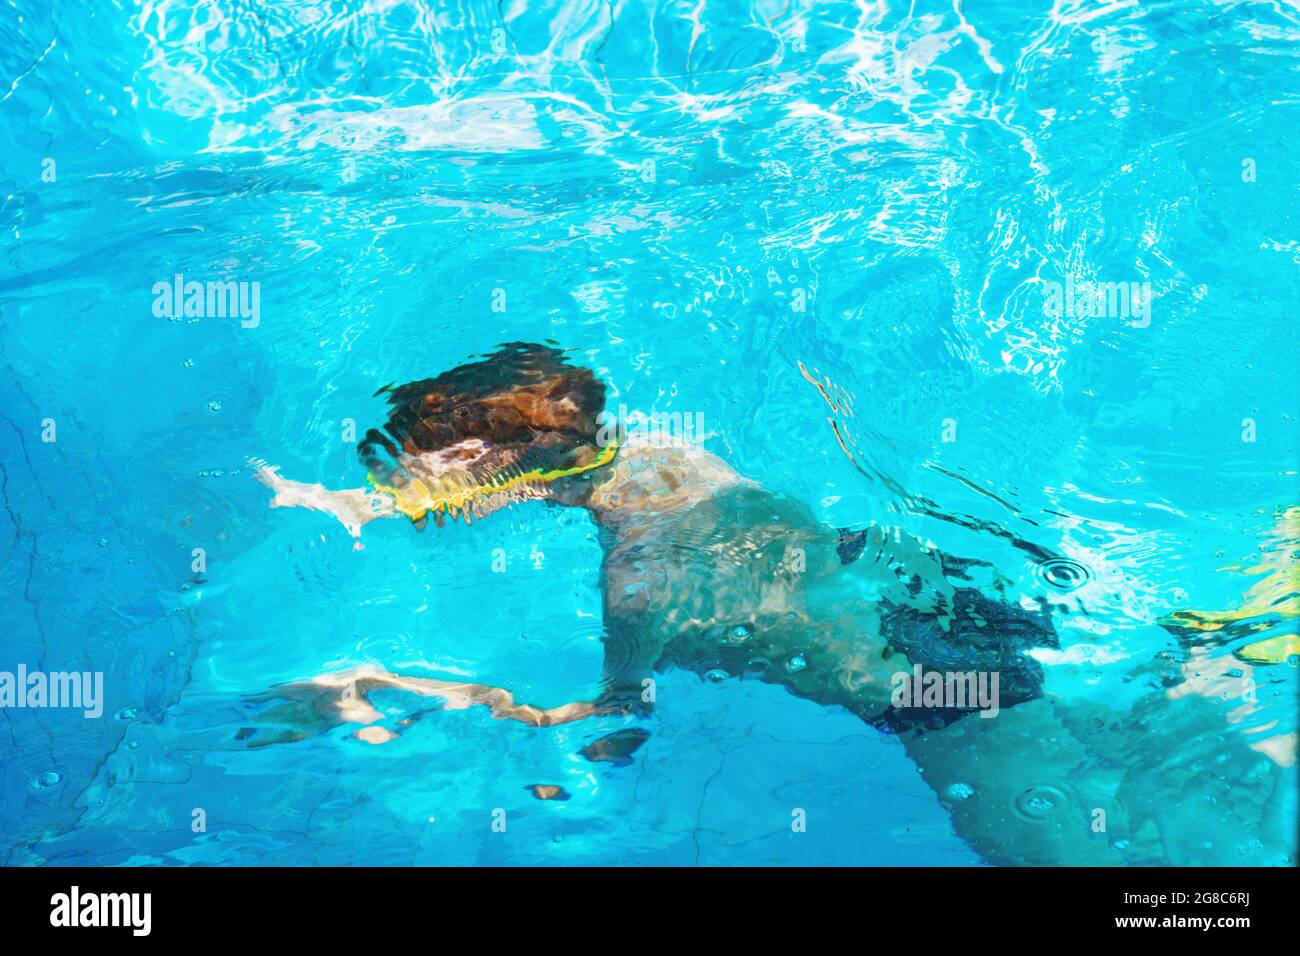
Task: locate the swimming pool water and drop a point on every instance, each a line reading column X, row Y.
column 1034, row 265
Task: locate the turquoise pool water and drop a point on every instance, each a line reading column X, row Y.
column 1038, row 262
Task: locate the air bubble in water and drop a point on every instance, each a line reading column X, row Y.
column 1064, row 574
column 1039, row 803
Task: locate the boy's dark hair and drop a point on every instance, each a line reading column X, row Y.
column 523, row 395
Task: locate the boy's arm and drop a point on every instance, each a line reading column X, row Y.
column 353, row 507
column 307, row 707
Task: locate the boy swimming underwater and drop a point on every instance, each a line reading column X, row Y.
column 704, row 568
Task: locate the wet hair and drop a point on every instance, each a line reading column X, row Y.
column 524, row 397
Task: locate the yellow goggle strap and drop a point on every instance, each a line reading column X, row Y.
column 415, row 499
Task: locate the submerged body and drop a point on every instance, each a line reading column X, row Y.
column 705, row 570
